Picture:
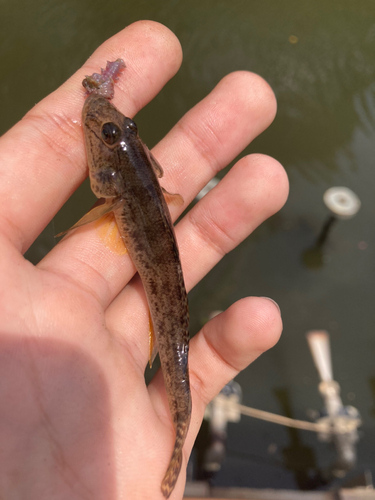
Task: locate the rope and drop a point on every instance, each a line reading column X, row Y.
column 346, row 425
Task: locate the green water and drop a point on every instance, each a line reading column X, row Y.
column 319, row 57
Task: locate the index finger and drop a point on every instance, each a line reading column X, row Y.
column 42, row 158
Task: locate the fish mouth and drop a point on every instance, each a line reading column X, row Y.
column 96, row 105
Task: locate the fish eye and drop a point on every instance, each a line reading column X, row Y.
column 110, row 133
column 132, row 126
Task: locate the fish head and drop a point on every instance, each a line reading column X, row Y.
column 109, row 135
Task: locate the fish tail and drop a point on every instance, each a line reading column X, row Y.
column 174, row 466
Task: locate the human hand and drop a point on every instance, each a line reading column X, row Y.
column 76, row 418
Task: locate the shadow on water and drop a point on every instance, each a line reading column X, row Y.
column 372, row 386
column 298, row 458
column 313, row 257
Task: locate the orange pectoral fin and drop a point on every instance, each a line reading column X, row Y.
column 153, row 348
column 93, row 215
column 154, row 162
column 105, row 225
column 172, row 198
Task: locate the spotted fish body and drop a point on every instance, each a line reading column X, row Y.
column 123, row 171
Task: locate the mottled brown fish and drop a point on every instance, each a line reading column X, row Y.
column 124, row 173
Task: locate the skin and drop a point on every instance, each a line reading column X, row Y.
column 76, row 419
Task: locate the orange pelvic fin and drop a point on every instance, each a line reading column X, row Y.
column 106, row 228
column 153, row 348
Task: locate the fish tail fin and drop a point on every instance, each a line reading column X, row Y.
column 174, row 466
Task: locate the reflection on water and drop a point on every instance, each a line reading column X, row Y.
column 319, row 59
column 372, row 385
column 299, row 458
column 313, row 257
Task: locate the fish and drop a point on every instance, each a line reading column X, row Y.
column 126, row 175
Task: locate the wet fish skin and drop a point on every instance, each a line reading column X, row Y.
column 121, row 171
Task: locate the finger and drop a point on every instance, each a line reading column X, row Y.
column 42, row 158
column 254, row 189
column 214, row 132
column 226, row 345
column 221, row 139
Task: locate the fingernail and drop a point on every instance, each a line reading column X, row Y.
column 276, row 304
